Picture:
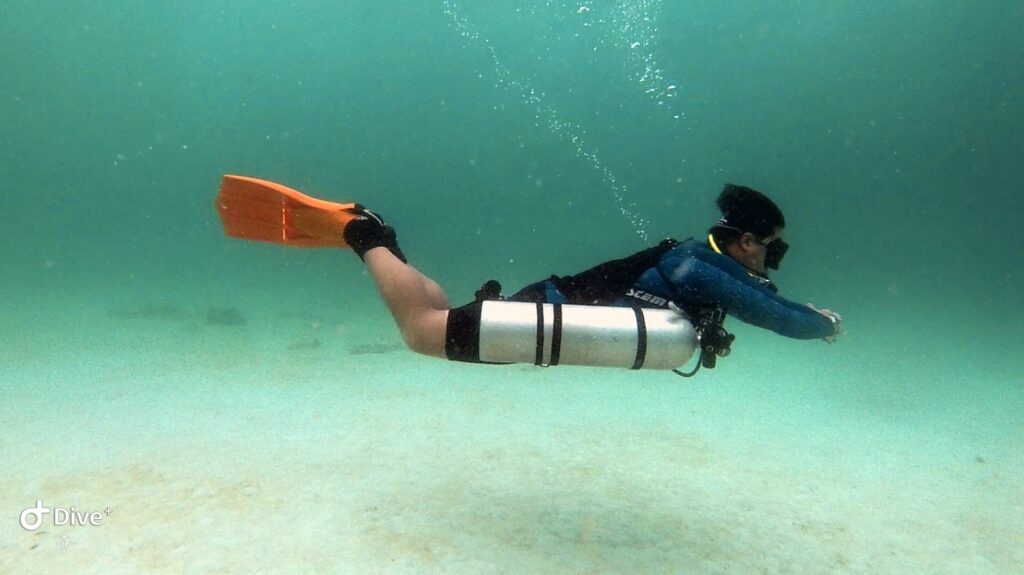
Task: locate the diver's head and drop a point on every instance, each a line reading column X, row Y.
column 750, row 229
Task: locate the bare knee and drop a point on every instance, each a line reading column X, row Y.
column 425, row 333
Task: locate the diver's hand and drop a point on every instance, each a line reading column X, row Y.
column 835, row 318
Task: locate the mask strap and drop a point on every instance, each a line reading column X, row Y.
column 714, row 245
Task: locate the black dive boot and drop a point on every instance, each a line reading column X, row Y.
column 369, row 231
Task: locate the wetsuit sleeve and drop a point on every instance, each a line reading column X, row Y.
column 699, row 282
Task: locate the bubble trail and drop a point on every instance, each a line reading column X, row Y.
column 565, row 130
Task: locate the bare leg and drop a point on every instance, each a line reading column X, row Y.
column 418, row 304
column 438, row 299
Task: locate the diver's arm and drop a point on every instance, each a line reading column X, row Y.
column 701, row 282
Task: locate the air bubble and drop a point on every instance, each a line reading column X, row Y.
column 631, row 23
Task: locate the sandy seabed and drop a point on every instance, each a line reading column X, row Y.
column 300, row 444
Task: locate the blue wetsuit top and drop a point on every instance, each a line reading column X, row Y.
column 697, row 278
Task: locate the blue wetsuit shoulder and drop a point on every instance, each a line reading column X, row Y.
column 695, row 277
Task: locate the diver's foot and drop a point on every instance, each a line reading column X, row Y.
column 368, row 231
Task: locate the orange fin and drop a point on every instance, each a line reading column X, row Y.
column 260, row 210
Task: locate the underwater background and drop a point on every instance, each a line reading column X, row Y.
column 246, row 406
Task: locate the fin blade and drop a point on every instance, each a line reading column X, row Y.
column 261, row 210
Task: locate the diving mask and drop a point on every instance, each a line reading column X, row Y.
column 775, row 250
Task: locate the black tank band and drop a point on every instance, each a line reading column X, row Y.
column 539, row 354
column 641, row 339
column 556, row 335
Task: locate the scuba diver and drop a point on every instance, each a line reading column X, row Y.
column 725, row 273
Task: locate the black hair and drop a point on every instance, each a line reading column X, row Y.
column 745, row 210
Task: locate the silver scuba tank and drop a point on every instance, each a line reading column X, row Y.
column 604, row 336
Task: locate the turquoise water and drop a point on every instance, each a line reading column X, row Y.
column 508, row 142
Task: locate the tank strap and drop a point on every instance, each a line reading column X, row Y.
column 540, row 336
column 641, row 338
column 556, row 334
